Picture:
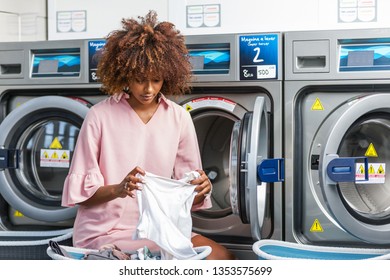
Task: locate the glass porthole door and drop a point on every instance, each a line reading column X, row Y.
column 37, row 140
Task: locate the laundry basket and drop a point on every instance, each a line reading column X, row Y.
column 79, row 253
column 31, row 245
column 267, row 249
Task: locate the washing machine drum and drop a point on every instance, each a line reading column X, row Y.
column 37, row 140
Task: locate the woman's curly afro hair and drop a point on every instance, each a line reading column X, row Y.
column 145, row 49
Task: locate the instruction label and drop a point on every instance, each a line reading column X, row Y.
column 55, row 158
column 376, row 173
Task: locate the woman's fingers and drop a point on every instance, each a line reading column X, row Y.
column 203, row 183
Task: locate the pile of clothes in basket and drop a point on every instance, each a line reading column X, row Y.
column 111, row 252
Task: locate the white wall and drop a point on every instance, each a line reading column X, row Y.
column 246, row 16
column 23, row 20
column 35, row 20
column 101, row 17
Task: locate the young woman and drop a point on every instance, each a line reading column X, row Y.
column 136, row 129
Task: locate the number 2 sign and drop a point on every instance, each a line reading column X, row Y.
column 258, row 56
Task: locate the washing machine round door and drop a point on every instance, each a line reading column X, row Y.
column 213, row 119
column 36, row 144
column 359, row 128
column 249, row 146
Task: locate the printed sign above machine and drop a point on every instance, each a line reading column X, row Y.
column 258, row 56
column 94, row 50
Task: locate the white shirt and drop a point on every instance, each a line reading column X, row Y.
column 165, row 214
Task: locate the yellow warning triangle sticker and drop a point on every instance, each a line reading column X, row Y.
column 18, row 214
column 64, row 155
column 55, row 144
column 45, row 155
column 361, row 169
column 380, row 169
column 371, row 170
column 54, row 155
column 371, row 152
column 317, row 105
column 188, row 108
column 316, row 226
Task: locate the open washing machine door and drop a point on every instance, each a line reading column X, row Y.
column 250, row 144
column 37, row 140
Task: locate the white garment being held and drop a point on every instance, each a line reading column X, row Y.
column 165, row 214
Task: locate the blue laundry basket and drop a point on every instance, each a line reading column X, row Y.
column 267, row 249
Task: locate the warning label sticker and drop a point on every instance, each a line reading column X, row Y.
column 376, row 173
column 371, row 152
column 18, row 214
column 56, row 144
column 316, row 226
column 317, row 105
column 209, row 101
column 55, row 158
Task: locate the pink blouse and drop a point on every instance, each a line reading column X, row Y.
column 112, row 141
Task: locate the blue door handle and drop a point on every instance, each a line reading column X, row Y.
column 9, row 158
column 344, row 169
column 271, row 170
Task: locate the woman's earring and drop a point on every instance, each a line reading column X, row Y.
column 126, row 89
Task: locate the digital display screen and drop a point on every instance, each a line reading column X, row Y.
column 210, row 61
column 370, row 57
column 55, row 65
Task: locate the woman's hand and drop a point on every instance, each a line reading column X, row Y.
column 111, row 192
column 129, row 183
column 204, row 186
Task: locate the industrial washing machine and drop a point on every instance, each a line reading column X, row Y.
column 337, row 126
column 45, row 93
column 47, row 88
column 236, row 107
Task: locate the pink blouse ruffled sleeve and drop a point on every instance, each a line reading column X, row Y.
column 84, row 176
